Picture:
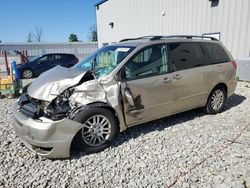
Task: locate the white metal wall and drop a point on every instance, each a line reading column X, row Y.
column 134, row 18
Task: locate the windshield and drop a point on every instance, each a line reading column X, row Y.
column 104, row 61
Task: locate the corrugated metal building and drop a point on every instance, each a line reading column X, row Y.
column 228, row 20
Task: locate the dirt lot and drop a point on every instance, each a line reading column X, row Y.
column 191, row 149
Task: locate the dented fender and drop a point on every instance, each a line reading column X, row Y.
column 99, row 93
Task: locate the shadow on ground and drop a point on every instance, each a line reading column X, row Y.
column 163, row 123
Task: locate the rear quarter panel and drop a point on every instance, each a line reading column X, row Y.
column 222, row 73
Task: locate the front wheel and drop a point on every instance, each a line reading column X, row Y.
column 99, row 129
column 216, row 101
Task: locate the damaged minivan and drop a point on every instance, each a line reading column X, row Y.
column 121, row 85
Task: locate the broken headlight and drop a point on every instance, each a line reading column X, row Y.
column 59, row 107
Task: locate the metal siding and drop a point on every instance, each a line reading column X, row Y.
column 134, row 18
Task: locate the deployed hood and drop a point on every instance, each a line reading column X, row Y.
column 54, row 81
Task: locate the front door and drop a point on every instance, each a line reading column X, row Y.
column 44, row 63
column 147, row 87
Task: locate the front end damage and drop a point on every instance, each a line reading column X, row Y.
column 43, row 117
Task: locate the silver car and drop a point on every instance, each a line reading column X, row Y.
column 119, row 86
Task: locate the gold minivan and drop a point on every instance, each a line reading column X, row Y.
column 121, row 85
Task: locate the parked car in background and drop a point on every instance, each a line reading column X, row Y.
column 119, row 86
column 45, row 62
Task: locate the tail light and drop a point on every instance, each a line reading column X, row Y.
column 234, row 64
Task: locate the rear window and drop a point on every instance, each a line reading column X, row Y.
column 68, row 57
column 186, row 55
column 216, row 53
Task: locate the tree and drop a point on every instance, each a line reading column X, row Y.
column 30, row 37
column 92, row 33
column 73, row 38
column 38, row 34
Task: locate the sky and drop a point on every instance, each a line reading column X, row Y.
column 57, row 18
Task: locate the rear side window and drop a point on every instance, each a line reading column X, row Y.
column 186, row 55
column 216, row 53
column 58, row 57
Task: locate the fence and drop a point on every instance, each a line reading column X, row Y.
column 80, row 49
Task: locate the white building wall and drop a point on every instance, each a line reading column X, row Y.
column 134, row 18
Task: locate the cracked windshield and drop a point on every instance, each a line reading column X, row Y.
column 104, row 60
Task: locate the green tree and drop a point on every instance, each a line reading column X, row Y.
column 73, row 38
column 30, row 37
column 92, row 33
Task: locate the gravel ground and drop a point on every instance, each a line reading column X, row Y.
column 190, row 149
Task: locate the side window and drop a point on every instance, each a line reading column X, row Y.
column 58, row 57
column 150, row 61
column 43, row 59
column 186, row 55
column 51, row 57
column 216, row 53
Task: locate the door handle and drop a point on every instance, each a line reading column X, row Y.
column 177, row 76
column 166, row 80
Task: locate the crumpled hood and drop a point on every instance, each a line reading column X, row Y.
column 53, row 82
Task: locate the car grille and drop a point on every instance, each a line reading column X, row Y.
column 28, row 106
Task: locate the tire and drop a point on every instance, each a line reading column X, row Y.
column 216, row 101
column 27, row 73
column 88, row 138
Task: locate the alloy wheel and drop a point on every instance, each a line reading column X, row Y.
column 96, row 130
column 217, row 99
column 27, row 74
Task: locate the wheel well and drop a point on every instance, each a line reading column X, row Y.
column 105, row 106
column 218, row 85
column 27, row 69
column 221, row 85
column 98, row 105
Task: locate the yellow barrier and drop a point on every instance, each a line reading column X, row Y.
column 5, row 83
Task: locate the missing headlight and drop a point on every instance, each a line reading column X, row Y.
column 59, row 107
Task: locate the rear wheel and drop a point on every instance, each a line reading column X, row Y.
column 99, row 129
column 216, row 101
column 27, row 73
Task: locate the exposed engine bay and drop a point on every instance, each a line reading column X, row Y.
column 57, row 108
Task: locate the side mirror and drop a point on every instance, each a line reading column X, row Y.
column 117, row 77
column 129, row 97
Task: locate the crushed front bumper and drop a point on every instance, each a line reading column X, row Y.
column 51, row 139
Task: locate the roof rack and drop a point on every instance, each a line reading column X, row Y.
column 123, row 40
column 190, row 37
column 158, row 37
